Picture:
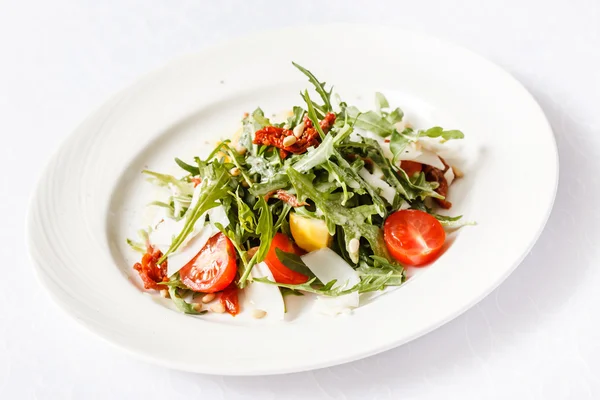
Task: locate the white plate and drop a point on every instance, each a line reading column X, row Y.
column 89, row 198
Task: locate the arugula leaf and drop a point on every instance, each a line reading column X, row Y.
column 281, row 220
column 438, row 131
column 289, row 292
column 377, row 200
column 370, row 121
column 245, row 215
column 259, row 117
column 395, row 116
column 142, row 245
column 293, row 262
column 169, row 207
column 312, row 114
column 399, row 141
column 453, row 222
column 159, row 179
column 212, row 190
column 352, row 220
column 248, row 130
column 381, row 102
column 187, row 167
column 326, row 290
column 370, row 281
column 316, row 156
column 296, row 118
column 278, row 181
column 319, row 87
column 265, row 229
column 173, row 285
column 393, row 274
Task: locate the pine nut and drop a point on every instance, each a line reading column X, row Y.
column 235, row 171
column 207, row 298
column 299, row 129
column 165, row 293
column 218, row 308
column 252, row 251
column 258, row 314
column 197, row 307
column 289, row 140
column 353, row 246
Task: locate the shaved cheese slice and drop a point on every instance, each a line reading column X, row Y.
column 374, row 179
column 163, row 232
column 218, row 215
column 421, row 155
column 327, row 266
column 262, row 296
column 189, row 250
column 449, row 175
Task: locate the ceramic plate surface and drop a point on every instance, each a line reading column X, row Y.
column 90, row 196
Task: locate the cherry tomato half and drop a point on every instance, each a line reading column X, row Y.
column 413, row 237
column 281, row 273
column 213, row 268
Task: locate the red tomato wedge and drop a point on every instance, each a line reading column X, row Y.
column 413, row 237
column 281, row 273
column 213, row 268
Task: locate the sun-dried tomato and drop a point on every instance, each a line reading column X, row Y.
column 274, row 136
column 411, row 167
column 290, row 198
column 433, row 174
column 196, row 181
column 229, row 299
column 149, row 270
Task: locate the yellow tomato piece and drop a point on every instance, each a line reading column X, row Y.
column 310, row 234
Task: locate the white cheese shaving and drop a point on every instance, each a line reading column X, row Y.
column 262, row 296
column 449, row 175
column 218, row 215
column 374, row 179
column 414, row 152
column 327, row 266
column 190, row 249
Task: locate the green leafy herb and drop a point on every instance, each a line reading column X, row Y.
column 293, row 262
column 265, row 229
column 312, row 114
column 381, row 102
column 437, row 131
column 296, row 118
column 211, row 192
column 319, row 87
column 187, row 167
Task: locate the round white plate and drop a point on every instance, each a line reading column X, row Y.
column 89, row 198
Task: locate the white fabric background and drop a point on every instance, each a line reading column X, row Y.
column 536, row 337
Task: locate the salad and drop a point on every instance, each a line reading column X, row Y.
column 332, row 200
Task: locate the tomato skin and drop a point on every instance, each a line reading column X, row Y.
column 281, row 273
column 213, row 268
column 413, row 237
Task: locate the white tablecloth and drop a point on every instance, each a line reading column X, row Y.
column 536, row 337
